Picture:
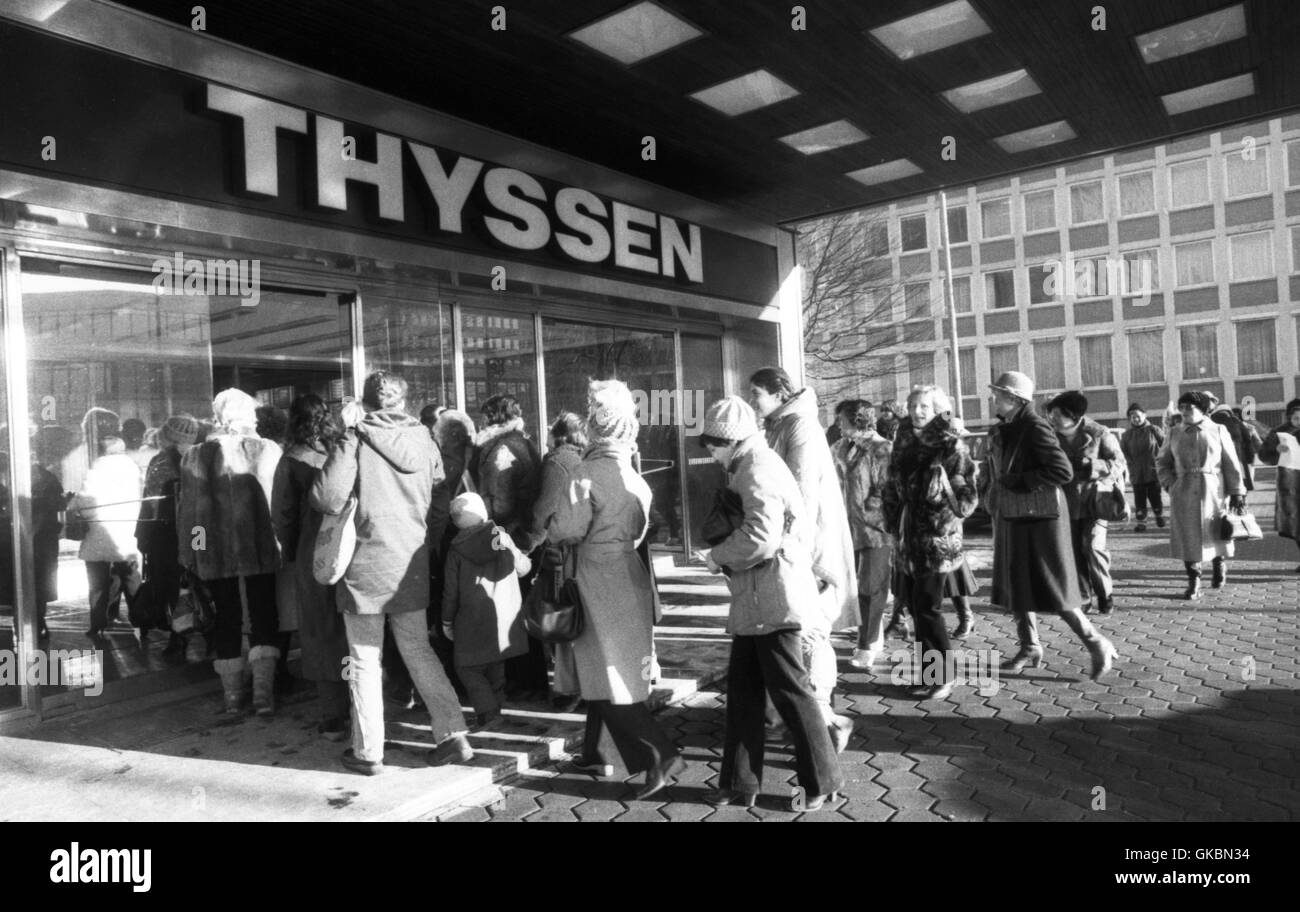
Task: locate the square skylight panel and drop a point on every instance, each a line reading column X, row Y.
column 940, row 27
column 824, row 138
column 1036, row 137
column 636, row 33
column 746, row 93
column 1193, row 35
column 1212, row 93
column 988, row 93
column 894, row 170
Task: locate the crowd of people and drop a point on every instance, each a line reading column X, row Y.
column 816, row 534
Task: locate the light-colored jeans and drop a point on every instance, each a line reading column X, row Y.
column 818, row 655
column 365, row 679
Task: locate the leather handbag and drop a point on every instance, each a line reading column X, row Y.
column 1239, row 526
column 553, row 610
column 1110, row 504
column 725, row 516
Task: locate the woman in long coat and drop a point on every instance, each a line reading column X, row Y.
column 1284, row 443
column 1198, row 466
column 1033, row 559
column 323, row 641
column 931, row 489
column 604, row 515
column 155, row 532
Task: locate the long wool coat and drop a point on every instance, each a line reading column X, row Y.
column 795, row 434
column 1140, row 445
column 1198, row 467
column 916, row 507
column 320, row 626
column 768, row 558
column 1287, row 517
column 226, row 487
column 557, row 467
column 604, row 515
column 394, row 463
column 863, row 466
column 1033, row 561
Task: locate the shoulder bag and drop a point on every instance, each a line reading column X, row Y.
column 336, row 541
column 553, row 611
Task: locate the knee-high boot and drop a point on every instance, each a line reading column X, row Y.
column 1193, row 580
column 1220, row 572
column 965, row 617
column 1101, row 649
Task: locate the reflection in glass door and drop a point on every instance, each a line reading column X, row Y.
column 110, row 359
column 645, row 361
column 11, row 614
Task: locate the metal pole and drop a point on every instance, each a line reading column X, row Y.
column 948, row 299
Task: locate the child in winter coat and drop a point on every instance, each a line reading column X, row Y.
column 481, row 604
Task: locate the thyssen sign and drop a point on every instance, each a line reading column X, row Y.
column 519, row 213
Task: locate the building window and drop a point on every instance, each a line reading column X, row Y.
column 1096, row 366
column 880, row 380
column 1189, row 183
column 1194, row 263
column 1246, row 176
column 1041, row 280
column 995, row 218
column 1256, row 347
column 1003, row 358
column 1049, row 365
column 1040, row 210
column 920, row 369
column 966, row 366
column 1146, row 356
column 913, row 232
column 1141, row 274
column 916, row 300
column 1250, row 256
column 1087, row 203
column 1295, row 249
column 1137, row 193
column 957, row 230
column 1200, row 345
column 1000, row 289
column 1293, row 163
column 1092, row 277
column 878, row 239
column 961, row 302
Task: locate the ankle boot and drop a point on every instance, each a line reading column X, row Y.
column 897, row 626
column 231, row 672
column 1105, row 604
column 263, row 659
column 1193, row 581
column 965, row 618
column 1101, row 649
column 1220, row 573
column 1028, row 655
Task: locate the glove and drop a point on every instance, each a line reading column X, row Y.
column 1237, row 502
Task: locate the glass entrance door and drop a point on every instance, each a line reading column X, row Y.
column 111, row 358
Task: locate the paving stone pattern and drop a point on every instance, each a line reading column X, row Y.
column 1200, row 720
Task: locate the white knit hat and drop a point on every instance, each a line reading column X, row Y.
column 468, row 510
column 730, row 419
column 611, row 411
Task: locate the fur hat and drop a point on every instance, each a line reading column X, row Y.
column 468, row 510
column 1072, row 403
column 178, row 430
column 730, row 419
column 611, row 412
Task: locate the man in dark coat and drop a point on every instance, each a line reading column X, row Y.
column 1140, row 444
column 1241, row 436
column 1033, row 559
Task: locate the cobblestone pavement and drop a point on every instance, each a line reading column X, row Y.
column 1200, row 720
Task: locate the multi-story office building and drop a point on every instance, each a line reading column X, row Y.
column 1132, row 276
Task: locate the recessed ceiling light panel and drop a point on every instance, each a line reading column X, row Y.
column 936, row 28
column 894, row 170
column 1212, row 93
column 1193, row 35
column 1036, row 137
column 636, row 33
column 988, row 93
column 824, row 138
column 746, row 93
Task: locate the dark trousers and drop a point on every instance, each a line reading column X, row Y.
column 1091, row 559
column 639, row 739
column 528, row 673
column 772, row 665
column 924, row 595
column 485, row 685
column 1148, row 492
column 265, row 621
column 107, row 581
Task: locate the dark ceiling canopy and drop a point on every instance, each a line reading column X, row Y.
column 533, row 81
